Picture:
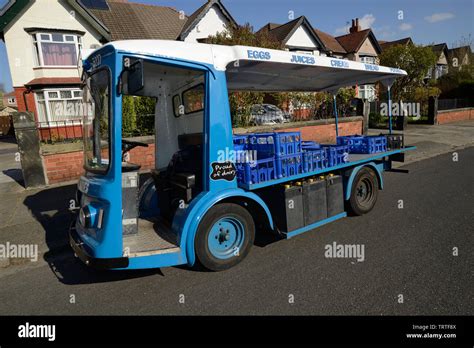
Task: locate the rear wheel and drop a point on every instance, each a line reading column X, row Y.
column 364, row 192
column 224, row 237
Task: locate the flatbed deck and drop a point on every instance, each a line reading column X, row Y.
column 354, row 160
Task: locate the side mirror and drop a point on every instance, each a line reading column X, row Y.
column 135, row 79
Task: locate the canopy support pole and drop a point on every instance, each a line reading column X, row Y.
column 389, row 110
column 336, row 115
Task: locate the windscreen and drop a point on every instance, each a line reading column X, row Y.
column 97, row 122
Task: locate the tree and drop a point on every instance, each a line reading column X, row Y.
column 245, row 36
column 241, row 102
column 145, row 111
column 138, row 115
column 129, row 115
column 415, row 60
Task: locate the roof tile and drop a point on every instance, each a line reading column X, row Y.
column 351, row 42
column 330, row 41
column 127, row 21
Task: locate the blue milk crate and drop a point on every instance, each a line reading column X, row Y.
column 256, row 171
column 336, row 154
column 276, row 143
column 240, row 142
column 314, row 160
column 310, row 146
column 354, row 141
column 263, row 143
column 375, row 144
column 364, row 144
column 288, row 143
column 289, row 165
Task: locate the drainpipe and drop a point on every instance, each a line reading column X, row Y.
column 25, row 92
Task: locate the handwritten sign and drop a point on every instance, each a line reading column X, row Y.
column 223, row 171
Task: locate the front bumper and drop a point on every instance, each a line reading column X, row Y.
column 78, row 246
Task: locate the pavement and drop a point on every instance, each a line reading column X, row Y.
column 30, row 216
column 408, row 252
column 432, row 141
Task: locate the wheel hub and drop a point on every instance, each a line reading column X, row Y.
column 223, row 236
column 226, row 237
column 364, row 191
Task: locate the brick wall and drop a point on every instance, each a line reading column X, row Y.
column 326, row 133
column 67, row 166
column 61, row 167
column 145, row 156
column 448, row 116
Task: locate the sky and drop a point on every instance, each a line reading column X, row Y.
column 425, row 21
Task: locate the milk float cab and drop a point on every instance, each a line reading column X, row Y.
column 195, row 207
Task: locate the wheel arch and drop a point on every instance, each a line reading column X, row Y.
column 351, row 174
column 248, row 200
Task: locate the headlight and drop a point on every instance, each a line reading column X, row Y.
column 91, row 216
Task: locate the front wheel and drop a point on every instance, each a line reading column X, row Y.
column 364, row 192
column 224, row 237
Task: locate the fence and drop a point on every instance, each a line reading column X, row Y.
column 450, row 104
column 6, row 125
column 70, row 130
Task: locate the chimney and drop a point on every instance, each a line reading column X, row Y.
column 355, row 26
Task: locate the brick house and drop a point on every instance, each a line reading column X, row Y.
column 300, row 36
column 387, row 44
column 362, row 46
column 296, row 36
column 44, row 38
column 9, row 100
column 459, row 57
column 441, row 67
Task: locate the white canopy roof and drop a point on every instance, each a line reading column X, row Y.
column 254, row 68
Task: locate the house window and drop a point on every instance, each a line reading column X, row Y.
column 11, row 100
column 303, row 51
column 61, row 106
column 367, row 92
column 441, row 70
column 368, row 60
column 56, row 49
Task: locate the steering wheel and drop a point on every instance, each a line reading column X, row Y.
column 128, row 145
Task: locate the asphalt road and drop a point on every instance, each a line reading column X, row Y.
column 408, row 252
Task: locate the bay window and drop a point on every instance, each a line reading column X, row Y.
column 56, row 49
column 59, row 105
column 367, row 92
column 368, row 60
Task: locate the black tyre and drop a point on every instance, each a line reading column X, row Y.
column 364, row 192
column 224, row 237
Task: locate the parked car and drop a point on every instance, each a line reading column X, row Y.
column 267, row 114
